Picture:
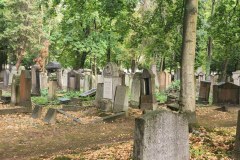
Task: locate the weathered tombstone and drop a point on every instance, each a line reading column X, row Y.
column 99, row 94
column 15, row 94
column 111, row 81
column 35, row 80
column 99, row 78
column 72, row 80
column 93, row 81
column 162, row 80
column 12, row 73
column 6, row 78
column 177, row 74
column 59, row 78
column 52, row 88
column 204, row 91
column 161, row 135
column 87, row 83
column 136, row 90
column 51, row 116
column 37, row 112
column 121, row 99
column 25, row 89
column 154, row 71
column 226, row 93
column 43, row 80
column 65, row 79
column 89, row 93
column 236, row 77
column 147, row 98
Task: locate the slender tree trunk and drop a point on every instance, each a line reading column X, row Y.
column 133, row 66
column 187, row 95
column 210, row 46
column 109, row 54
column 224, row 74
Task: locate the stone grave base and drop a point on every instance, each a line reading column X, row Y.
column 13, row 110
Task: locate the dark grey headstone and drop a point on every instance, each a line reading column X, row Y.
column 91, row 92
column 161, row 135
column 37, row 111
column 51, row 116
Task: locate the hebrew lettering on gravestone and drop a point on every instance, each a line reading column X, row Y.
column 51, row 116
column 107, row 88
column 37, row 112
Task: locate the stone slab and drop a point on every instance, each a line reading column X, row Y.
column 37, row 112
column 51, row 116
column 161, row 135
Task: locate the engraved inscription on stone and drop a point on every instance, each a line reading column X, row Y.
column 107, row 90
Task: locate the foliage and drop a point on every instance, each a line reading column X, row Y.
column 161, row 97
column 174, row 87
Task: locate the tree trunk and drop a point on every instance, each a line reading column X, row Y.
column 83, row 59
column 224, row 74
column 109, row 54
column 187, row 95
column 133, row 66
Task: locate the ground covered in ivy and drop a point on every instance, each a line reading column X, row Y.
column 22, row 137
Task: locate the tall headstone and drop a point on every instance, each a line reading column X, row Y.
column 204, row 91
column 161, row 135
column 6, row 78
column 111, row 81
column 99, row 94
column 154, row 71
column 148, row 99
column 162, row 80
column 136, row 90
column 72, row 80
column 87, row 83
column 59, row 78
column 65, row 79
column 121, row 99
column 35, row 80
column 15, row 90
column 52, row 88
column 43, row 80
column 25, row 89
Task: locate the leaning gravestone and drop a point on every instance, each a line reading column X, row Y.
column 161, row 135
column 51, row 116
column 37, row 112
column 136, row 90
column 121, row 99
column 25, row 89
column 204, row 91
column 147, row 98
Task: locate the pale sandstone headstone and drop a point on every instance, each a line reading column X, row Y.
column 43, row 80
column 6, row 78
column 121, row 99
column 161, row 135
column 15, row 93
column 236, row 77
column 52, row 88
column 99, row 94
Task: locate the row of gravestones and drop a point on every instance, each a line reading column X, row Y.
column 112, row 94
column 223, row 93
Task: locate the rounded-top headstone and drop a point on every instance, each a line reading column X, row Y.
column 111, row 70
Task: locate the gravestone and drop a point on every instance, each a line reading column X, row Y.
column 87, row 83
column 154, row 71
column 15, row 93
column 25, row 89
column 99, row 78
column 6, row 78
column 204, row 91
column 99, row 94
column 226, row 93
column 161, row 135
column 37, row 112
column 72, row 80
column 59, row 78
column 43, row 80
column 163, row 81
column 65, row 79
column 52, row 88
column 177, row 74
column 93, row 81
column 35, row 80
column 51, row 116
column 12, row 73
column 147, row 97
column 111, row 81
column 236, row 77
column 237, row 140
column 121, row 99
column 136, row 90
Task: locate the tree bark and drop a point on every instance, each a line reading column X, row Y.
column 187, row 95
